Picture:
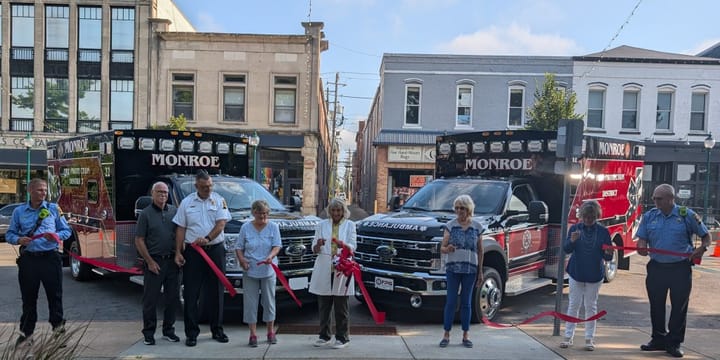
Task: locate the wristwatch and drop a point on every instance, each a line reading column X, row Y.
column 209, row 240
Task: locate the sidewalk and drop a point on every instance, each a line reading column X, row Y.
column 122, row 341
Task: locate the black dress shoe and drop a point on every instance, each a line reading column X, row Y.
column 652, row 346
column 220, row 337
column 675, row 351
column 190, row 341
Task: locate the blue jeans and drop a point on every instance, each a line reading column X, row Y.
column 465, row 282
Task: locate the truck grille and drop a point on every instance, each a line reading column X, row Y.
column 410, row 256
column 304, row 261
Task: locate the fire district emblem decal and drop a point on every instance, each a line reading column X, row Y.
column 526, row 241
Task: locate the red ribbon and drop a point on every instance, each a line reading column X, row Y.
column 556, row 314
column 695, row 261
column 224, row 280
column 283, row 281
column 349, row 267
column 92, row 262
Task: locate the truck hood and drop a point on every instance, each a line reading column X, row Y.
column 412, row 223
column 287, row 221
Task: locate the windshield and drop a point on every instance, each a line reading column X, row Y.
column 439, row 195
column 238, row 193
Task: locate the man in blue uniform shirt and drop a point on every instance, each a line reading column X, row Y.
column 669, row 227
column 39, row 260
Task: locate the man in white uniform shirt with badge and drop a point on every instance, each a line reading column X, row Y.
column 200, row 220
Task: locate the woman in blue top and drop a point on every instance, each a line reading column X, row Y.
column 462, row 242
column 586, row 269
column 259, row 243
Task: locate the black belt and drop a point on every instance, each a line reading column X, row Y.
column 163, row 257
column 39, row 253
column 208, row 247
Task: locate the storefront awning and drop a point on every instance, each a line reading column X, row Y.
column 17, row 158
column 406, row 137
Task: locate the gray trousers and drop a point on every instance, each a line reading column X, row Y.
column 342, row 317
column 254, row 289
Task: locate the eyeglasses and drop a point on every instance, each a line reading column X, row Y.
column 460, row 208
column 657, row 198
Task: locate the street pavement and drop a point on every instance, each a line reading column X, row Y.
column 121, row 340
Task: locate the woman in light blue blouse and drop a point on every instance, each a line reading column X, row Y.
column 462, row 242
column 259, row 243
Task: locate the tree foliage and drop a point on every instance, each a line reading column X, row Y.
column 175, row 123
column 551, row 105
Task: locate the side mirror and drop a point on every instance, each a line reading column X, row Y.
column 538, row 212
column 394, row 203
column 141, row 203
column 295, row 203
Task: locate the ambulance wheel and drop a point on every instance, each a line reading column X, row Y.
column 80, row 271
column 611, row 267
column 488, row 298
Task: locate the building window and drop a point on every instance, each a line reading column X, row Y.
column 121, row 104
column 122, row 37
column 56, row 105
column 22, row 110
column 630, row 109
column 412, row 105
column 183, row 95
column 57, row 28
column 22, row 32
column 234, row 98
column 596, row 107
column 697, row 111
column 89, row 106
column 516, row 107
column 464, row 106
column 89, row 33
column 664, row 111
column 285, row 90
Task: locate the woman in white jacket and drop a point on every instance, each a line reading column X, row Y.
column 333, row 288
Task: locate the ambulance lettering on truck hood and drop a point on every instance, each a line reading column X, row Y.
column 498, row 164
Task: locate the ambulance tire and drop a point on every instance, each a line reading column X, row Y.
column 79, row 270
column 611, row 267
column 488, row 299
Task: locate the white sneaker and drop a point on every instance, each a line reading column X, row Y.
column 340, row 345
column 322, row 342
column 589, row 345
column 567, row 343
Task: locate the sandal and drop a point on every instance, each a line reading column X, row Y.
column 444, row 342
column 467, row 343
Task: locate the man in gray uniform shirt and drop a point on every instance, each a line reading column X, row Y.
column 155, row 241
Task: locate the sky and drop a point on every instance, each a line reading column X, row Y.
column 359, row 32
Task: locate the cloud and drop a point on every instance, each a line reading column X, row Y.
column 207, row 23
column 512, row 40
column 704, row 45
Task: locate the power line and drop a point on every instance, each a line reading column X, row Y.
column 357, row 97
column 617, row 34
column 354, row 51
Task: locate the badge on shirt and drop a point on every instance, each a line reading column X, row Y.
column 224, row 205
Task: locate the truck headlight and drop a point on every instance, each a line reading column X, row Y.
column 231, row 261
column 438, row 265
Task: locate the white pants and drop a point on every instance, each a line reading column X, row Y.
column 254, row 288
column 587, row 294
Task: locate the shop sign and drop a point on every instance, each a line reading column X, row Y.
column 8, row 186
column 416, row 154
column 417, row 181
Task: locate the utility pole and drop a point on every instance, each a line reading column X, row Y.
column 333, row 160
